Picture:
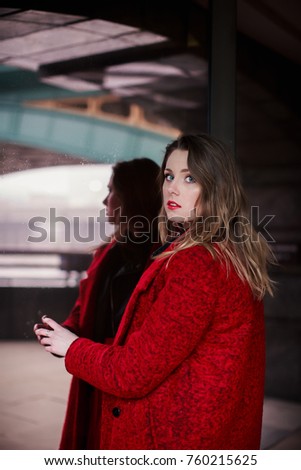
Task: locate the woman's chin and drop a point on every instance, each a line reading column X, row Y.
column 176, row 219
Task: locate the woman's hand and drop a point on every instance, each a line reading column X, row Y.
column 55, row 338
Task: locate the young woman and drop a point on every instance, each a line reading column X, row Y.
column 186, row 368
column 132, row 204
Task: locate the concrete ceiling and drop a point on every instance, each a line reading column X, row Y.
column 154, row 54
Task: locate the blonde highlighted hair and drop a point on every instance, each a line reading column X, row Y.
column 224, row 228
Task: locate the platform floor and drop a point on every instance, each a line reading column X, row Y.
column 33, row 392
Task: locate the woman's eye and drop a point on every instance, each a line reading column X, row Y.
column 168, row 177
column 190, row 179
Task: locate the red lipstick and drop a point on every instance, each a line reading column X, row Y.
column 172, row 205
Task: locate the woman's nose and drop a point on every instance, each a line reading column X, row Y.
column 105, row 201
column 173, row 188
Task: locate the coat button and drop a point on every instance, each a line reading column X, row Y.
column 116, row 412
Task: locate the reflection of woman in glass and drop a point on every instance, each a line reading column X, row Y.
column 132, row 205
column 186, row 369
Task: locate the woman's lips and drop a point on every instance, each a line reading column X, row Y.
column 172, row 205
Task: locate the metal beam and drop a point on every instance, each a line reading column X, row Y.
column 91, row 138
column 222, row 71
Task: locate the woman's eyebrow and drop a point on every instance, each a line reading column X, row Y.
column 185, row 170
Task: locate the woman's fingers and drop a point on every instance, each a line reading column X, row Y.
column 45, row 341
column 54, row 337
column 51, row 323
column 42, row 331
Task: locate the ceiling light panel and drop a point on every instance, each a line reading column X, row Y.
column 80, row 40
column 21, row 62
column 143, row 38
column 105, row 28
column 83, row 50
column 45, row 17
column 12, row 29
column 150, row 68
column 117, row 81
column 70, row 83
column 41, row 41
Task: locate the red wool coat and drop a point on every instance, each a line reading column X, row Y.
column 186, row 369
column 81, row 425
column 83, row 406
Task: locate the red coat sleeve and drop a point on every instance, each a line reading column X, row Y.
column 72, row 322
column 174, row 325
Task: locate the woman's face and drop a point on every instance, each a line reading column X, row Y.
column 180, row 190
column 113, row 204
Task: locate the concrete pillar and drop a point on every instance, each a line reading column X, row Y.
column 222, row 71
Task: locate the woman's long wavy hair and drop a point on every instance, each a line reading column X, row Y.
column 224, row 228
column 137, row 183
